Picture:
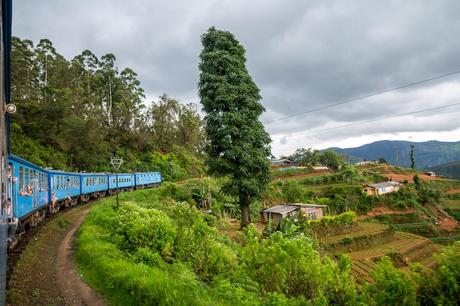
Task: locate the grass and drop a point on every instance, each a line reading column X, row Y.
column 452, row 204
column 124, row 282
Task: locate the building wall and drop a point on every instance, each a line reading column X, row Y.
column 385, row 190
column 313, row 213
column 370, row 191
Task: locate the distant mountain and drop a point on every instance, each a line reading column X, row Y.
column 427, row 154
column 450, row 170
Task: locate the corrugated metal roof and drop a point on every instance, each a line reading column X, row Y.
column 281, row 209
column 307, row 205
column 286, row 208
column 384, row 184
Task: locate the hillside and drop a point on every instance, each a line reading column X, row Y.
column 450, row 170
column 427, row 154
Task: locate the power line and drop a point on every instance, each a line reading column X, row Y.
column 314, row 132
column 367, row 96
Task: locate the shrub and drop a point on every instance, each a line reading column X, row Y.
column 392, row 286
column 293, row 192
column 441, row 286
column 281, row 264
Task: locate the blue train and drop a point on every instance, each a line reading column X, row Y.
column 34, row 192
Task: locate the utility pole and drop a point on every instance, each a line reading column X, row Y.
column 116, row 163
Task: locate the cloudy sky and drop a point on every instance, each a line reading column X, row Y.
column 302, row 55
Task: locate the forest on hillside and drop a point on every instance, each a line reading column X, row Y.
column 74, row 114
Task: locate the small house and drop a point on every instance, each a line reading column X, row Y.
column 281, row 163
column 382, row 188
column 430, row 173
column 292, row 210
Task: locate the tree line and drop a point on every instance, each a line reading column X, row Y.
column 74, row 114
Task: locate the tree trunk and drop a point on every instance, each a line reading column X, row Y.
column 245, row 212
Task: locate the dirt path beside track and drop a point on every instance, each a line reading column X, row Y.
column 45, row 273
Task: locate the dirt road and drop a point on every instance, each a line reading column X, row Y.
column 45, row 273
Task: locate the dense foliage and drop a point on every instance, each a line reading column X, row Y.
column 310, row 157
column 75, row 114
column 156, row 251
column 238, row 145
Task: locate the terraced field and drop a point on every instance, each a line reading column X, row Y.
column 403, row 248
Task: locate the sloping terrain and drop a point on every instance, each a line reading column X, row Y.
column 449, row 170
column 427, row 153
column 374, row 242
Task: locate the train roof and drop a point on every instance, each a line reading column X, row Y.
column 148, row 172
column 25, row 162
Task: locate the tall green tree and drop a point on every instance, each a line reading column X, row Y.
column 412, row 158
column 238, row 145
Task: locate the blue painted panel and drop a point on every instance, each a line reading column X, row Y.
column 92, row 182
column 124, row 180
column 30, row 187
column 64, row 184
column 147, row 178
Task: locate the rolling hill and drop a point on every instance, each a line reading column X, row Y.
column 427, row 154
column 450, row 170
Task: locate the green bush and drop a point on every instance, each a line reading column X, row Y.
column 293, row 266
column 293, row 192
column 440, row 286
column 391, row 287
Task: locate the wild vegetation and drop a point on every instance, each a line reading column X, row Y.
column 155, row 250
column 74, row 114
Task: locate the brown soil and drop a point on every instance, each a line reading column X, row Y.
column 385, row 211
column 452, row 191
column 447, row 224
column 45, row 274
column 408, row 177
column 75, row 291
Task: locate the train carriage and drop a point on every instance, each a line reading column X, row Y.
column 28, row 190
column 125, row 181
column 65, row 187
column 147, row 179
column 94, row 185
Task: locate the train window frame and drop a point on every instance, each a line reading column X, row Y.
column 21, row 178
column 26, row 176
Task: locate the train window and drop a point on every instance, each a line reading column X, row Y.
column 26, row 176
column 21, row 179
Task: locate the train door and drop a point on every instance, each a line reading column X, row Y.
column 35, row 188
column 11, row 187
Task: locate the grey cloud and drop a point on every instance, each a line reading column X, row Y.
column 302, row 54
